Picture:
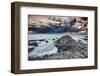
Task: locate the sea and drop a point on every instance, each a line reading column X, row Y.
column 44, row 44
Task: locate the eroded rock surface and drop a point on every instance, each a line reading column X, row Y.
column 68, row 48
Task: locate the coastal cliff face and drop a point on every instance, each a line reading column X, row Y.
column 48, row 24
column 68, row 48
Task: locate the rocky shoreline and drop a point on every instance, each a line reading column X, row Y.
column 68, row 48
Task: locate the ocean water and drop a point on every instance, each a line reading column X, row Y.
column 46, row 43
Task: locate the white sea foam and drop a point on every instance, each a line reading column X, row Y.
column 44, row 49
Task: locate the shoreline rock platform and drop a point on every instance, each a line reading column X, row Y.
column 68, row 48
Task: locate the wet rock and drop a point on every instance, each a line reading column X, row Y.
column 71, row 48
column 53, row 39
column 42, row 40
column 80, row 41
column 30, row 49
column 46, row 41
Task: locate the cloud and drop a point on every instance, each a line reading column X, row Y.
column 56, row 24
